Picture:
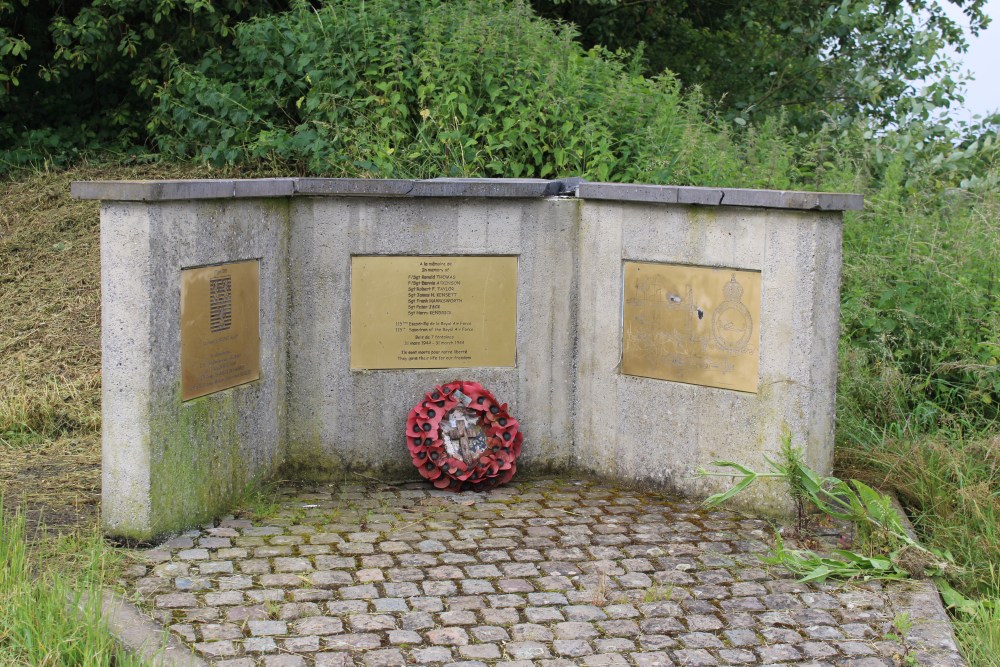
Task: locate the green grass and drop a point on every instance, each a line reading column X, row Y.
column 49, row 617
column 979, row 636
column 919, row 379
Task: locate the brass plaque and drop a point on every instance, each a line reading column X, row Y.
column 220, row 333
column 433, row 312
column 692, row 324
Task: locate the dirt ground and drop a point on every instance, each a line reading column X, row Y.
column 56, row 485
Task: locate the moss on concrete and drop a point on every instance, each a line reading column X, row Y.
column 198, row 466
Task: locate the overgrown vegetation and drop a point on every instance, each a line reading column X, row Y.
column 885, row 548
column 47, row 617
column 812, row 59
column 423, row 88
column 83, row 75
column 410, row 88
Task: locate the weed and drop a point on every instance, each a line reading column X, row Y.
column 978, row 632
column 601, row 592
column 260, row 500
column 272, row 608
column 901, row 626
column 852, row 501
column 658, row 593
column 49, row 618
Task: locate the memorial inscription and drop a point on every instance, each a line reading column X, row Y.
column 692, row 324
column 433, row 311
column 220, row 335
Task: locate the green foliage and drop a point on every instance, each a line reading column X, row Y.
column 81, row 76
column 853, row 501
column 842, row 565
column 949, row 483
column 419, row 88
column 814, row 59
column 977, row 628
column 47, row 618
column 260, row 500
column 920, row 285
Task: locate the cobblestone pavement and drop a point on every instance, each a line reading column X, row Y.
column 534, row 573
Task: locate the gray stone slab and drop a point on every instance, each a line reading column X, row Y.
column 700, row 196
column 462, row 187
column 183, row 189
column 481, row 187
column 669, row 194
column 263, row 187
column 659, row 194
column 372, row 187
column 153, row 190
column 809, row 201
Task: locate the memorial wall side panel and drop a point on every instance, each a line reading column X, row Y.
column 205, row 450
column 126, row 375
column 663, row 430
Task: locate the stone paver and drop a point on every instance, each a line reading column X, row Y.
column 548, row 572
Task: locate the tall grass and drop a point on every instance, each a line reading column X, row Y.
column 979, row 636
column 917, row 401
column 47, row 618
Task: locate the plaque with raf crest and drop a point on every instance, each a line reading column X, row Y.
column 692, row 324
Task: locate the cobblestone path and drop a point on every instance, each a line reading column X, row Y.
column 535, row 573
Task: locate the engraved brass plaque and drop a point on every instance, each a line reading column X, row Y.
column 692, row 324
column 220, row 333
column 433, row 312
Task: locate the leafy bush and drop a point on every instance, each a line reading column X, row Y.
column 78, row 77
column 417, row 88
column 921, row 279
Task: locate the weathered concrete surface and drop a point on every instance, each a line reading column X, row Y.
column 547, row 573
column 663, row 432
column 463, row 187
column 342, row 419
column 673, row 194
column 168, row 464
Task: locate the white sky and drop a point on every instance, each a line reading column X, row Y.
column 982, row 60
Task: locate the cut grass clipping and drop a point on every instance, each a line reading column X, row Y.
column 874, row 513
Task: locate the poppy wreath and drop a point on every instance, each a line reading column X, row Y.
column 461, row 438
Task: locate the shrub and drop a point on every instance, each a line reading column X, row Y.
column 421, row 88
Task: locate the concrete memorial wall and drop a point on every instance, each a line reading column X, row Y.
column 637, row 332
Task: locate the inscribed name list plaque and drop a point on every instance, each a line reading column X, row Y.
column 692, row 324
column 220, row 333
column 433, row 311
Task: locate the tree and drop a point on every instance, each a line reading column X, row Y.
column 809, row 59
column 78, row 72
